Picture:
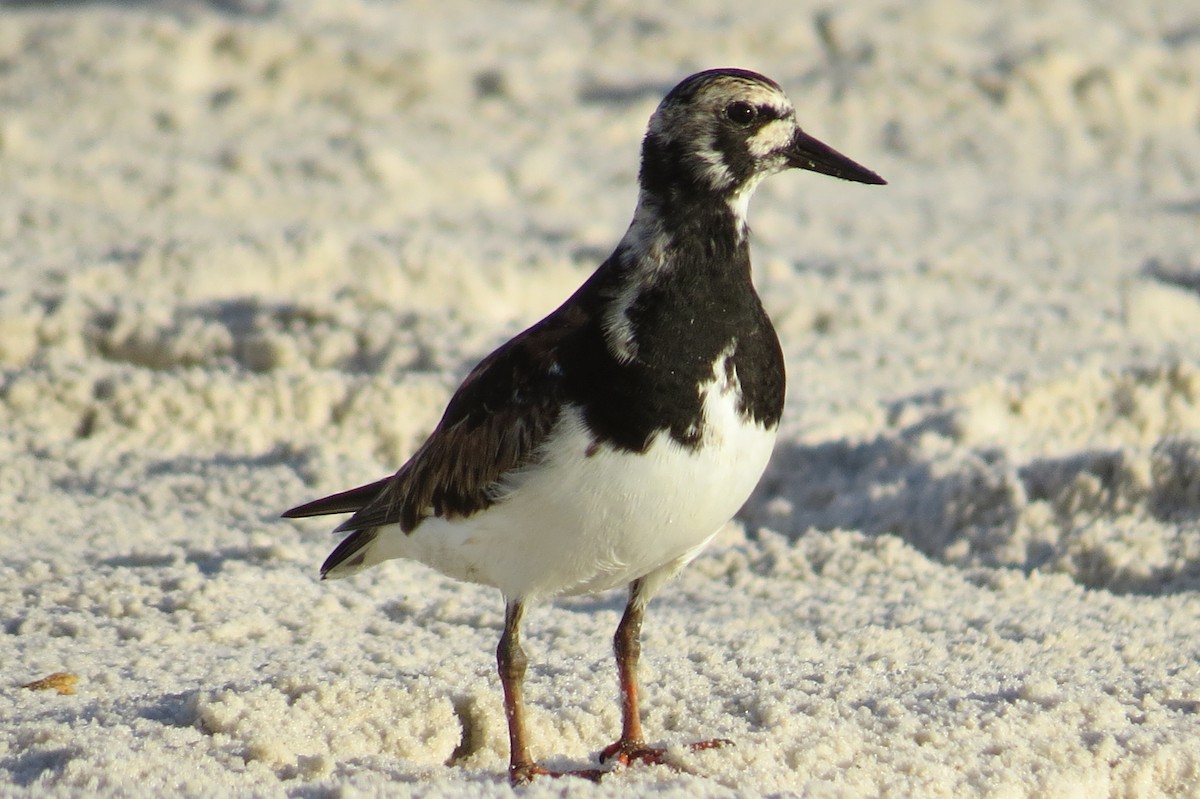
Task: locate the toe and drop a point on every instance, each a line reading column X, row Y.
column 627, row 753
column 523, row 774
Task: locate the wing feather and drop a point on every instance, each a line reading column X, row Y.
column 496, row 422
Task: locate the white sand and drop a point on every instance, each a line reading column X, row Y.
column 247, row 255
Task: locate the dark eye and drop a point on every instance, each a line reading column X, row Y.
column 741, row 113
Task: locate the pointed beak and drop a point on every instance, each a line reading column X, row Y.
column 805, row 152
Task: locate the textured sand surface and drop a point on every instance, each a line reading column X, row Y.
column 249, row 248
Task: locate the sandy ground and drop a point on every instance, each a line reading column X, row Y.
column 250, row 247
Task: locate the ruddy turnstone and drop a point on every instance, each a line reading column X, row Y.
column 606, row 445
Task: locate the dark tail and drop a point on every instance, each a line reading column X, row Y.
column 345, row 502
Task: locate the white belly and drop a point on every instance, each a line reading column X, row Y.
column 578, row 523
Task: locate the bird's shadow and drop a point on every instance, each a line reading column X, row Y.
column 968, row 506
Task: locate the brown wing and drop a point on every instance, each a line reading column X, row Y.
column 496, row 421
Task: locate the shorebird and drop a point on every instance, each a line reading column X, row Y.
column 608, row 443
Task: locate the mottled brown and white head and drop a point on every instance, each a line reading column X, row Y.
column 711, row 141
column 720, row 132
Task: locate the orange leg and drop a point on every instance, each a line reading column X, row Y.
column 511, row 663
column 627, row 645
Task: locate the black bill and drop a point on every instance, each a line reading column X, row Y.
column 806, row 152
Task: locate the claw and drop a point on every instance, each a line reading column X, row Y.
column 626, row 753
column 524, row 774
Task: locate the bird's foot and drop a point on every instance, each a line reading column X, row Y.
column 522, row 774
column 626, row 753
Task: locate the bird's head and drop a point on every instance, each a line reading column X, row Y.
column 720, row 132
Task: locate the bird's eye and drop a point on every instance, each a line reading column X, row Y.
column 741, row 113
